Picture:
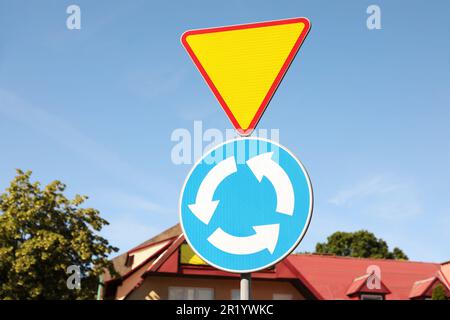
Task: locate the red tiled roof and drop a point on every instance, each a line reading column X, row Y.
column 332, row 276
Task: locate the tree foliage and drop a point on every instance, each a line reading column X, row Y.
column 42, row 233
column 438, row 293
column 361, row 244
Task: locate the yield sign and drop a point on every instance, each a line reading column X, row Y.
column 244, row 64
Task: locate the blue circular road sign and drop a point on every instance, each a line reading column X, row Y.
column 246, row 204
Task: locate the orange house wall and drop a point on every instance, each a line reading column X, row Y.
column 262, row 289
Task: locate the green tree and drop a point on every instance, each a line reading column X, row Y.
column 438, row 293
column 42, row 233
column 361, row 244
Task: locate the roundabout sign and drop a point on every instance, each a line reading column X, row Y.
column 246, row 205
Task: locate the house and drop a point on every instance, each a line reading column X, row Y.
column 165, row 267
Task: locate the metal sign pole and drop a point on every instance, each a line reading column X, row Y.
column 246, row 286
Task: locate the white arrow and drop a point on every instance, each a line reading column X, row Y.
column 204, row 205
column 266, row 237
column 263, row 166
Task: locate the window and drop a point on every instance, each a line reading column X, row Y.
column 187, row 293
column 130, row 261
column 282, row 296
column 235, row 294
column 371, row 297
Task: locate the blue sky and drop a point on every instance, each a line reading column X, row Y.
column 367, row 111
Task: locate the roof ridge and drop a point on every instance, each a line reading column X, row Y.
column 361, row 258
column 424, row 280
column 362, row 277
column 148, row 245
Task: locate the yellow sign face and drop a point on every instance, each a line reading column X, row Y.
column 243, row 65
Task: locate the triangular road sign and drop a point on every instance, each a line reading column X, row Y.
column 244, row 64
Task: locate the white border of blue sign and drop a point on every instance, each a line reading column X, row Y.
column 300, row 238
